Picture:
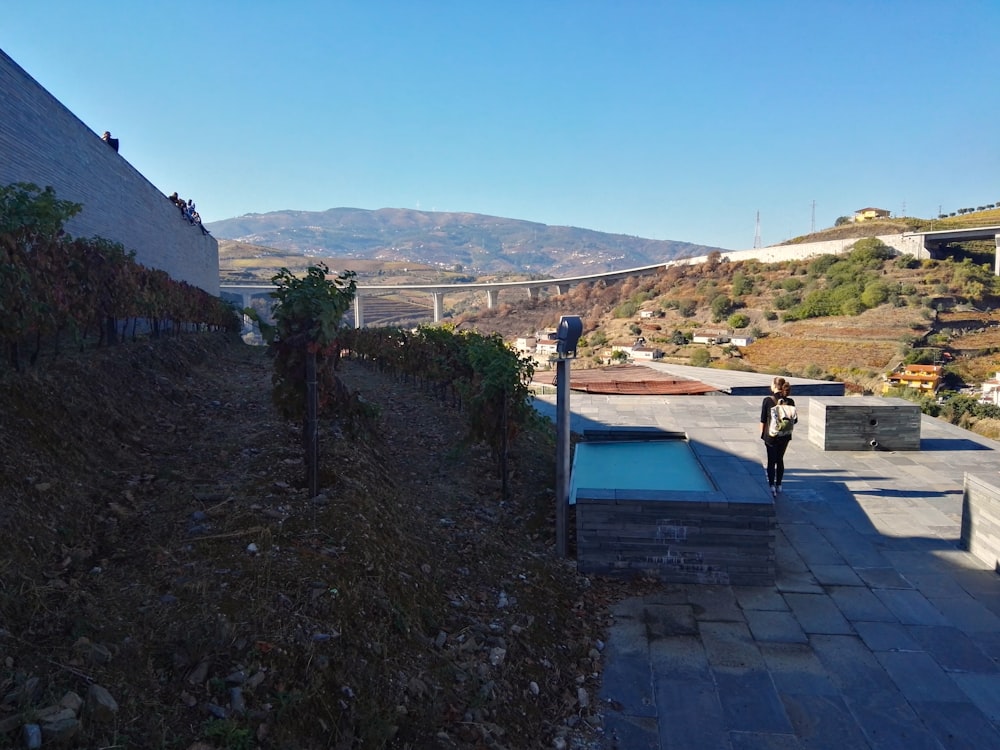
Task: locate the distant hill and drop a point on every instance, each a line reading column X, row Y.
column 478, row 243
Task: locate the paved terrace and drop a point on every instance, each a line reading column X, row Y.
column 879, row 631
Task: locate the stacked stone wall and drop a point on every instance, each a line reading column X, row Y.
column 42, row 142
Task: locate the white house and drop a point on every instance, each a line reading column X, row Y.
column 525, row 344
column 991, row 391
column 646, row 352
column 546, row 348
column 741, row 340
column 638, row 352
column 710, row 337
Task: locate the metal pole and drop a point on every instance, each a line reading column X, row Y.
column 312, row 426
column 562, row 454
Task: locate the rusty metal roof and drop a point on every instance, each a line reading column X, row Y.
column 633, row 380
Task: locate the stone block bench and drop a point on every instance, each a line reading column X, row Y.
column 863, row 424
column 981, row 518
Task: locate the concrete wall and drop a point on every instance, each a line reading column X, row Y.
column 902, row 243
column 44, row 143
column 981, row 519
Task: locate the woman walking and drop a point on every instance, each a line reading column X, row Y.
column 776, row 437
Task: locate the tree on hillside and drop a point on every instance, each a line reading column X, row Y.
column 721, row 307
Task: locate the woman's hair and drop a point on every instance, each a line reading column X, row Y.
column 781, row 387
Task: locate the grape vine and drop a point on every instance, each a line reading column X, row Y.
column 482, row 375
column 56, row 289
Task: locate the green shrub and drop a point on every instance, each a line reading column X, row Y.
column 738, row 320
column 700, row 358
column 626, row 309
column 687, row 307
column 721, row 306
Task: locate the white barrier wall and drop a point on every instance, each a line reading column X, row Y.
column 902, row 243
column 42, row 142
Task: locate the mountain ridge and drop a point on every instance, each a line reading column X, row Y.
column 477, row 243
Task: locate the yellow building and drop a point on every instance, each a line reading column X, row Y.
column 923, row 378
column 867, row 214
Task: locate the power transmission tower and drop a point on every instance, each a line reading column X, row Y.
column 756, row 233
column 812, row 225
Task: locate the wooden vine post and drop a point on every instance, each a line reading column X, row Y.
column 312, row 425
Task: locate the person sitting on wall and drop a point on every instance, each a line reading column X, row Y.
column 179, row 202
column 196, row 218
column 113, row 142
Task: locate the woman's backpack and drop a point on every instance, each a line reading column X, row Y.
column 783, row 419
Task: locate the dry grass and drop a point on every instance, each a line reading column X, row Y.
column 134, row 481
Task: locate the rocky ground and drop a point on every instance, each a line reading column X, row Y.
column 166, row 581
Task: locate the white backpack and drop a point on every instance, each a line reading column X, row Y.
column 783, row 419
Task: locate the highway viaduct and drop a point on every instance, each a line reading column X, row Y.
column 438, row 291
column 919, row 244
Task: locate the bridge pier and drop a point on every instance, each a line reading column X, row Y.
column 359, row 311
column 438, row 298
column 562, row 288
column 532, row 292
column 491, row 298
column 996, row 257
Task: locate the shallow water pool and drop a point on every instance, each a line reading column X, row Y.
column 637, row 465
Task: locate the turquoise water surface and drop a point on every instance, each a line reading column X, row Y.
column 637, row 465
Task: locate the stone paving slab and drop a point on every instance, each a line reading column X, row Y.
column 886, row 636
column 730, row 645
column 984, row 690
column 691, row 714
column 882, row 578
column 823, row 722
column 666, row 620
column 811, row 545
column 817, row 613
column 958, row 726
column 967, row 613
column 910, row 607
column 856, row 603
column 889, row 722
column 952, row 649
column 714, row 603
column 775, row 627
column 857, row 549
column 835, row 575
column 759, row 597
column 749, row 701
column 796, row 670
column 919, row 678
column 755, row 741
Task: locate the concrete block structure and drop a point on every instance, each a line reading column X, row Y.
column 721, row 533
column 865, row 423
column 981, row 518
column 43, row 143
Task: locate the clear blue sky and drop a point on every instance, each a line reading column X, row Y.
column 668, row 120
